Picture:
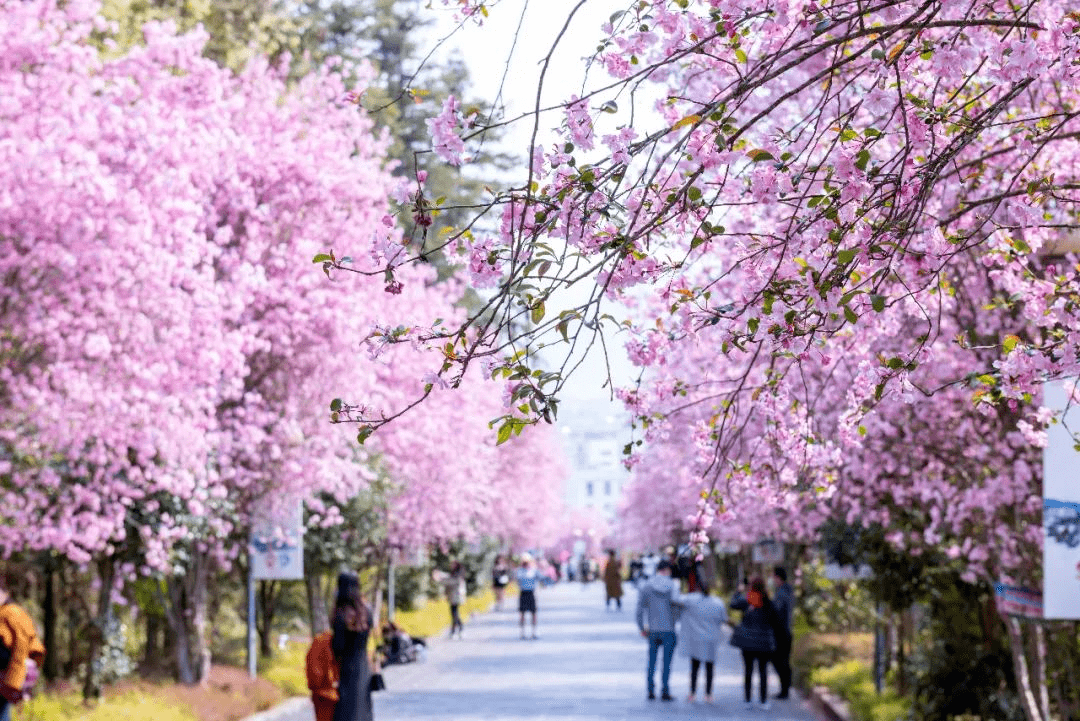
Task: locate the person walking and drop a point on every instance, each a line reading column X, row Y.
column 500, row 579
column 527, row 579
column 755, row 637
column 785, row 604
column 21, row 653
column 613, row 580
column 700, row 623
column 456, row 592
column 657, row 606
column 351, row 626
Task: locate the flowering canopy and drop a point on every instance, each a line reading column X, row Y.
column 849, row 217
column 168, row 348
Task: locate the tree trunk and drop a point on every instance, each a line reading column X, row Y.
column 1039, row 664
column 317, row 603
column 1028, row 700
column 98, row 625
column 901, row 666
column 185, row 603
column 152, row 649
column 51, row 668
column 264, row 619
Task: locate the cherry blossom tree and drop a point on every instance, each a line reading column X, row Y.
column 169, row 349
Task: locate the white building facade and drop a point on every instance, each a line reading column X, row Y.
column 594, row 438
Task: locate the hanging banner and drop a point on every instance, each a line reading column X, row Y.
column 277, row 542
column 1018, row 601
column 1061, row 504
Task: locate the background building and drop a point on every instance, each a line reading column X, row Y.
column 594, row 436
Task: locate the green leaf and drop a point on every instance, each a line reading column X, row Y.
column 752, row 325
column 504, row 433
column 1010, row 342
column 877, row 302
column 850, row 315
column 364, row 434
column 322, row 258
column 694, row 193
column 538, row 312
column 698, row 240
column 846, row 256
column 335, row 405
column 740, row 55
column 759, row 155
column 895, row 363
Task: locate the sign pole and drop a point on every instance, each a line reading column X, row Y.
column 390, row 591
column 251, row 659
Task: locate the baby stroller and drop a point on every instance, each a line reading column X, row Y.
column 399, row 647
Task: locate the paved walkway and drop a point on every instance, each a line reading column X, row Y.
column 587, row 664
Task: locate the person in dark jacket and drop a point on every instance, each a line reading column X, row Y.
column 755, row 637
column 785, row 604
column 351, row 626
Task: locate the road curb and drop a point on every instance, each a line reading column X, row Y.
column 828, row 705
column 283, row 710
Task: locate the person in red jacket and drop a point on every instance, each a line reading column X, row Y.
column 20, row 653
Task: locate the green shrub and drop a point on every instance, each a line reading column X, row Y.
column 853, row 681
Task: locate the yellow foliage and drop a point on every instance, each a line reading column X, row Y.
column 133, row 706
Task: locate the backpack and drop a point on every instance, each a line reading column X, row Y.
column 322, row 668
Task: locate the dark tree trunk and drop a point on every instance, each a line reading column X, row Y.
column 317, row 603
column 264, row 619
column 185, row 603
column 51, row 668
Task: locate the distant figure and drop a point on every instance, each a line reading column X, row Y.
column 755, row 637
column 352, row 624
column 656, row 614
column 527, row 578
column 454, row 585
column 613, row 581
column 586, row 571
column 702, row 618
column 500, row 579
column 635, row 569
column 648, row 565
column 785, row 604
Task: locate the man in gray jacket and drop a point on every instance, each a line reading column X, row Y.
column 656, row 614
column 784, row 600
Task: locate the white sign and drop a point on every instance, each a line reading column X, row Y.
column 1061, row 506
column 768, row 552
column 846, row 572
column 277, row 544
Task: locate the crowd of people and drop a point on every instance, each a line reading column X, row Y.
column 667, row 615
column 763, row 636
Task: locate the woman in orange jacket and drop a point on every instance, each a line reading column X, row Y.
column 19, row 647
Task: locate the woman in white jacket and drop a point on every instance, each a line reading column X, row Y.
column 703, row 617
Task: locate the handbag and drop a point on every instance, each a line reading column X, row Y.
column 376, row 683
column 739, row 637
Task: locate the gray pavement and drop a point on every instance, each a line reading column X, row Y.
column 587, row 664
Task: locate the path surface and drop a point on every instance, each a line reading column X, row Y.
column 588, row 664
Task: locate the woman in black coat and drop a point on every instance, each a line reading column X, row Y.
column 755, row 636
column 352, row 623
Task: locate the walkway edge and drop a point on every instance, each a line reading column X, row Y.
column 283, row 710
column 828, row 705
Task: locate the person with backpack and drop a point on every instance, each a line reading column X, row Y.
column 339, row 671
column 322, row 676
column 21, row 653
column 756, row 637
